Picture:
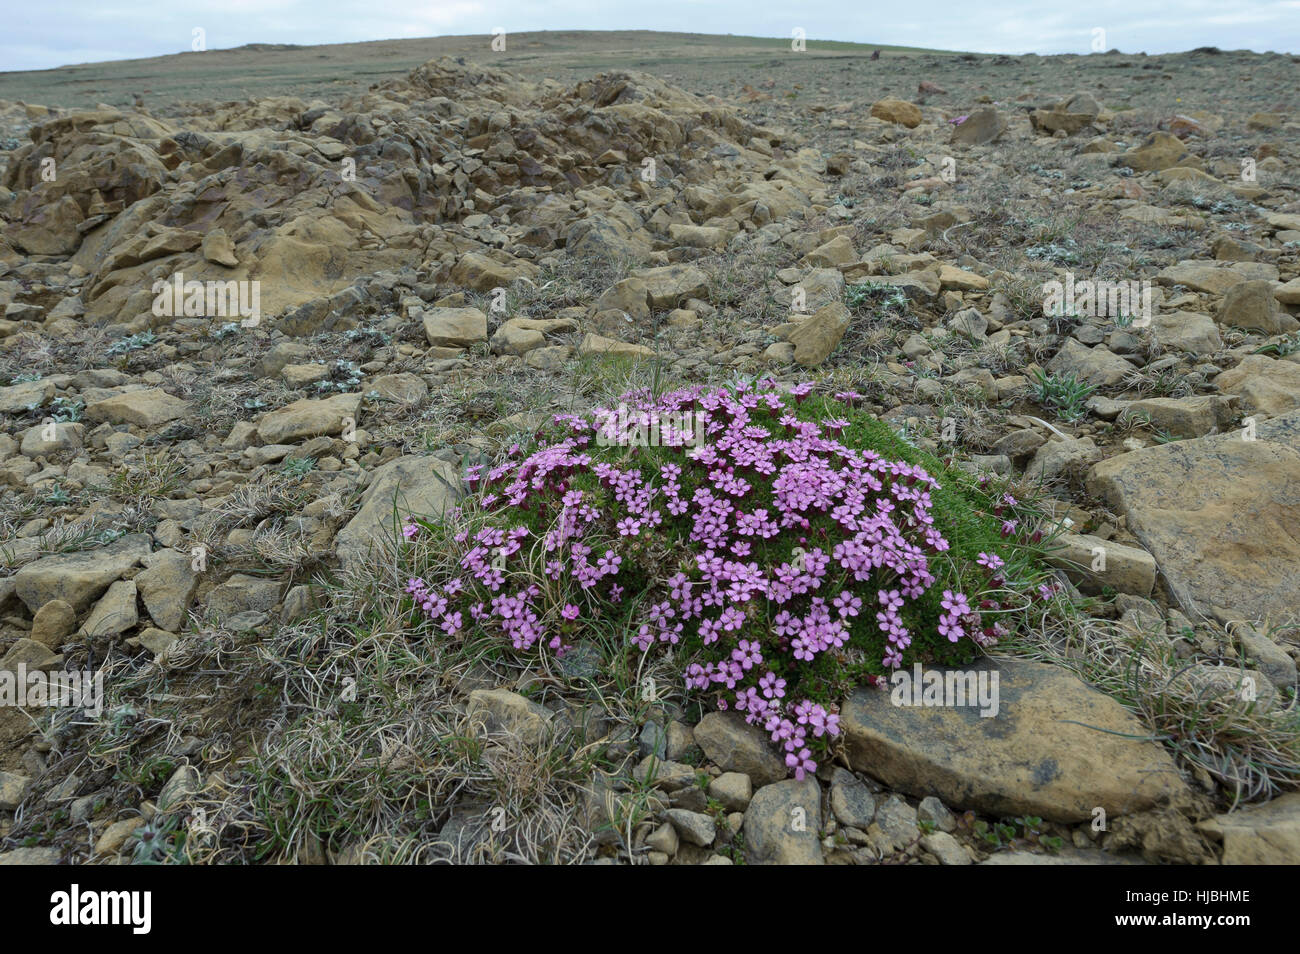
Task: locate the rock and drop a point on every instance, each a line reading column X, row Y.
column 36, row 657
column 1062, row 458
column 115, row 836
column 1066, row 856
column 51, row 229
column 39, row 441
column 1097, row 366
column 1284, row 221
column 1055, row 748
column 218, row 249
column 1265, row 384
column 17, row 398
column 1218, row 514
column 455, row 327
column 150, row 407
column 1181, row 417
column 54, row 622
column 1158, row 151
column 511, row 338
column 733, row 789
column 1288, row 294
column 78, row 578
column 1204, row 277
column 982, row 126
column 1251, row 305
column 31, row 856
column 934, row 812
column 483, row 274
column 1265, row 834
column 1186, row 331
column 663, row 773
column 631, row 297
column 242, row 593
column 679, row 740
column 851, row 801
column 735, row 746
column 698, row 236
column 309, row 418
column 897, row 111
column 838, row 251
column 403, row 388
column 946, row 848
column 817, row 336
column 115, row 612
column 663, row 839
column 694, row 827
column 167, row 586
column 671, row 285
column 782, row 824
column 1267, row 656
column 597, row 344
column 960, row 279
column 415, row 485
column 183, row 784
column 157, row 641
column 819, row 287
column 508, row 712
column 13, row 789
column 895, row 826
column 1097, row 563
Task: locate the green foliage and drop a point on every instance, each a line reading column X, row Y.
column 1063, row 393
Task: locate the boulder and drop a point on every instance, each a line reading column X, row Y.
column 782, row 824
column 981, row 126
column 455, row 327
column 309, row 418
column 1055, row 748
column 150, row 407
column 817, row 336
column 415, row 485
column 78, row 578
column 1219, row 514
column 1267, row 385
column 897, row 111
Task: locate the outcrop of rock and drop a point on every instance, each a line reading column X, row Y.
column 1054, row 748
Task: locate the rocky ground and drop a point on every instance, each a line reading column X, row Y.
column 203, row 504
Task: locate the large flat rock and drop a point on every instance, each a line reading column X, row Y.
column 1267, row 834
column 1055, row 748
column 414, row 485
column 1220, row 514
column 78, row 578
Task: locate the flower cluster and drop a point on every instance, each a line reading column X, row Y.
column 769, row 553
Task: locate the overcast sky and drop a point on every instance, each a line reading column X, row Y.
column 44, row 35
